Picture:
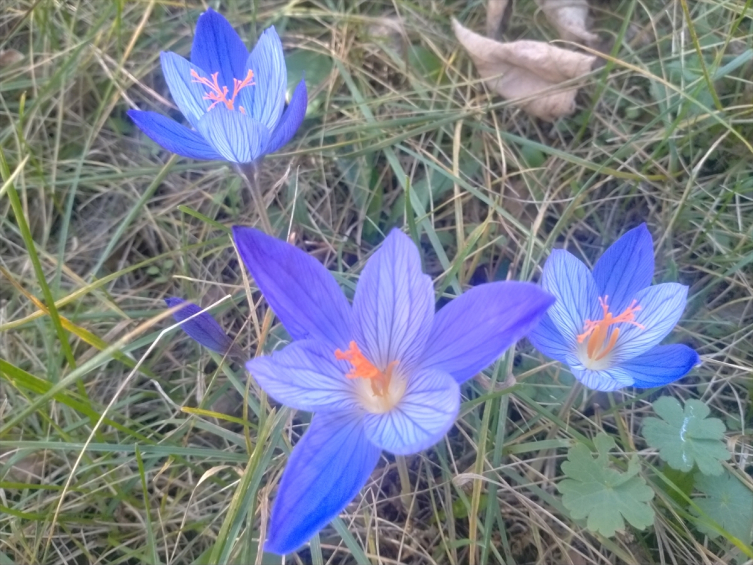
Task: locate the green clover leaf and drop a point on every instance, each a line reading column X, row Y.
column 602, row 494
column 684, row 437
column 728, row 502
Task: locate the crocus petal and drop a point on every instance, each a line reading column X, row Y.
column 661, row 365
column 547, row 338
column 606, row 380
column 661, row 307
column 202, row 328
column 625, row 268
column 265, row 100
column 393, row 305
column 291, row 119
column 419, row 420
column 306, row 376
column 187, row 94
column 235, row 136
column 301, row 291
column 217, row 48
column 328, row 466
column 172, row 136
column 572, row 284
column 473, row 330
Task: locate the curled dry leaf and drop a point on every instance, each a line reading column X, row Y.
column 570, row 18
column 527, row 70
column 495, row 13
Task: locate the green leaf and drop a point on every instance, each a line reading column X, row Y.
column 602, row 494
column 728, row 502
column 684, row 437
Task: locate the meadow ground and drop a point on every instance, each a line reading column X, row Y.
column 123, row 443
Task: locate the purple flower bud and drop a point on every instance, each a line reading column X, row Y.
column 202, row 327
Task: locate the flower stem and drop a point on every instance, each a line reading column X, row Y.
column 249, row 173
column 405, row 487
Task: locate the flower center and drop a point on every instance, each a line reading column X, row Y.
column 217, row 94
column 363, row 369
column 597, row 331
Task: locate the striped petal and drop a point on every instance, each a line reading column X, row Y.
column 305, row 376
column 217, row 48
column 265, row 100
column 625, row 268
column 605, row 380
column 187, row 94
column 421, row 418
column 661, row 365
column 473, row 330
column 172, row 136
column 235, row 136
column 661, row 307
column 393, row 305
column 291, row 120
column 301, row 291
column 327, row 468
column 548, row 340
column 572, row 284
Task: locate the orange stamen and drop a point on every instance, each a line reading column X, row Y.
column 217, row 94
column 362, row 368
column 597, row 331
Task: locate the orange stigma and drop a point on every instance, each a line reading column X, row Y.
column 599, row 330
column 363, row 369
column 217, row 94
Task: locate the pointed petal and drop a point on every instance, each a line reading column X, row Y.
column 473, row 330
column 301, row 291
column 264, row 101
column 235, row 136
column 305, row 376
column 217, row 48
column 421, row 418
column 572, row 284
column 661, row 365
column 188, row 95
column 202, row 328
column 328, row 467
column 606, row 380
column 393, row 305
column 291, row 119
column 173, row 136
column 548, row 340
column 661, row 308
column 625, row 268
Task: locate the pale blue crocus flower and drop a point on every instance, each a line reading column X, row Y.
column 380, row 374
column 235, row 101
column 607, row 324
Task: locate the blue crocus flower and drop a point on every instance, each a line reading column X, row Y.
column 382, row 374
column 606, row 325
column 234, row 100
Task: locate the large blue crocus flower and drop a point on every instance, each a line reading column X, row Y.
column 234, row 101
column 383, row 373
column 607, row 325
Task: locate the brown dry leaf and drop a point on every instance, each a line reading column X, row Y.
column 9, row 57
column 570, row 18
column 526, row 69
column 495, row 13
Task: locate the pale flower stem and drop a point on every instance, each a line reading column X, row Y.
column 405, row 488
column 250, row 177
